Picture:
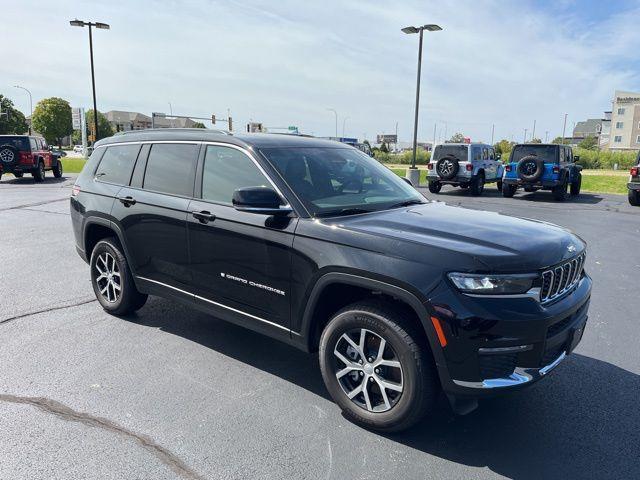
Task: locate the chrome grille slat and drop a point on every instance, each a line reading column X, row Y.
column 562, row 278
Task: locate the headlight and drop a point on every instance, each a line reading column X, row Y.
column 492, row 284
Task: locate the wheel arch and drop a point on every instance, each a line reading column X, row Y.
column 318, row 312
column 98, row 228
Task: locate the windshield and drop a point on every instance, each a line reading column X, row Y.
column 340, row 181
column 545, row 152
column 20, row 143
column 457, row 151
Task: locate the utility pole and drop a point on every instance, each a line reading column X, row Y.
column 546, row 136
column 336, row 114
column 435, row 125
column 525, row 135
column 396, row 145
column 533, row 133
column 493, row 130
column 564, row 127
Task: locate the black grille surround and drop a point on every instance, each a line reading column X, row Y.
column 561, row 279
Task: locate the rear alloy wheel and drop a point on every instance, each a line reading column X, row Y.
column 112, row 281
column 634, row 198
column 560, row 192
column 375, row 367
column 57, row 170
column 576, row 185
column 38, row 173
column 477, row 185
column 435, row 186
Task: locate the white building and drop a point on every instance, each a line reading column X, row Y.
column 625, row 121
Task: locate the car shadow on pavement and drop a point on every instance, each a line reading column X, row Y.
column 581, row 422
column 28, row 180
column 540, row 196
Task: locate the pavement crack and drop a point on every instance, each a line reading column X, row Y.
column 68, row 414
column 50, row 309
column 35, row 204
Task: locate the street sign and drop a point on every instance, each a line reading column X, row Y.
column 384, row 138
column 76, row 118
column 292, row 129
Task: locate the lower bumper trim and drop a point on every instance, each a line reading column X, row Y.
column 519, row 376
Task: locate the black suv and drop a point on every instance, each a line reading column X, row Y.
column 318, row 245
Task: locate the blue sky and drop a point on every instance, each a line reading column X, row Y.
column 284, row 63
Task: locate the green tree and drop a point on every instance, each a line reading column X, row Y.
column 589, row 143
column 557, row 140
column 52, row 119
column 535, row 140
column 104, row 127
column 504, row 147
column 456, row 138
column 11, row 119
column 384, row 148
column 198, row 125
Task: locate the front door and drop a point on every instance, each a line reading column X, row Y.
column 239, row 261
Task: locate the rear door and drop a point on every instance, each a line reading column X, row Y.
column 239, row 261
column 152, row 212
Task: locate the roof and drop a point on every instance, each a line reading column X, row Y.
column 249, row 140
column 120, row 116
column 590, row 126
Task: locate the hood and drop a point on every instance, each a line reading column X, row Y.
column 497, row 242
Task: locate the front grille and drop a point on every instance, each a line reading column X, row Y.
column 497, row 366
column 559, row 280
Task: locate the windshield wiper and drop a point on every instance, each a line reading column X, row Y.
column 343, row 211
column 407, row 203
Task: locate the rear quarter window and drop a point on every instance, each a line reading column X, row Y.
column 117, row 163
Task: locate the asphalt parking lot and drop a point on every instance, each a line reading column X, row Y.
column 173, row 393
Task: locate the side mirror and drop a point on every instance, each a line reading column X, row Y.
column 407, row 180
column 262, row 200
column 576, row 158
column 499, row 156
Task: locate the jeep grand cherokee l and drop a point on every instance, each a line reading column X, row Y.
column 20, row 154
column 318, row 245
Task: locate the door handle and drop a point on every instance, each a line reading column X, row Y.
column 127, row 201
column 204, row 216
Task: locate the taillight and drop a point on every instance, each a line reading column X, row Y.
column 26, row 157
column 469, row 167
column 430, row 166
column 508, row 168
column 75, row 190
column 634, row 171
column 556, row 169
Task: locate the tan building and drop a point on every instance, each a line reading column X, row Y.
column 625, row 121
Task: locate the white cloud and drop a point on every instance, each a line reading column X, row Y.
column 286, row 62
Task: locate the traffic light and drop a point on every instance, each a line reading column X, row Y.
column 213, row 119
column 230, row 124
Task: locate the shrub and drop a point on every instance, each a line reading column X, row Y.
column 604, row 158
column 404, row 158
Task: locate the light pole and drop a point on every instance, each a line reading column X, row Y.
column 420, row 30
column 30, row 105
column 102, row 26
column 564, row 127
column 525, row 135
column 344, row 120
column 336, row 114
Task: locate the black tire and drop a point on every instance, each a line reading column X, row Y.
column 9, row 156
column 38, row 173
column 447, row 167
column 530, row 168
column 576, row 185
column 18, row 174
column 476, row 187
column 107, row 257
column 499, row 185
column 634, row 198
column 57, row 170
column 435, row 186
column 404, row 344
column 508, row 190
column 560, row 192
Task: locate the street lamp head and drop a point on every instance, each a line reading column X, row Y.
column 76, row 23
column 103, row 26
column 410, row 30
column 432, row 27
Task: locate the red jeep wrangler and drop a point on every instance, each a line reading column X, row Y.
column 20, row 154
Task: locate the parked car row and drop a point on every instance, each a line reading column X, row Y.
column 530, row 167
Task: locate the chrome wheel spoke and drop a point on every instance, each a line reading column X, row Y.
column 355, row 391
column 387, row 385
column 115, row 286
column 365, row 394
column 102, row 276
column 353, row 344
column 389, row 363
column 385, row 397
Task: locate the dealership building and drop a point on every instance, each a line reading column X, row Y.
column 625, row 121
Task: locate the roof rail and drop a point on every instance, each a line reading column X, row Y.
column 195, row 130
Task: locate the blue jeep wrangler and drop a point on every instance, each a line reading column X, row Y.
column 464, row 165
column 538, row 166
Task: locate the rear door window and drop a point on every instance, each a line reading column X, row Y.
column 117, row 163
column 171, row 168
column 33, row 144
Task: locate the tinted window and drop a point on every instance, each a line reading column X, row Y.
column 457, row 151
column 170, row 168
column 21, row 143
column 225, row 170
column 117, row 163
column 32, row 142
column 546, row 152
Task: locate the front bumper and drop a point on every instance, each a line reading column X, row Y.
column 497, row 344
column 633, row 185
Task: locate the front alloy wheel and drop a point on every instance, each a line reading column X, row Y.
column 368, row 370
